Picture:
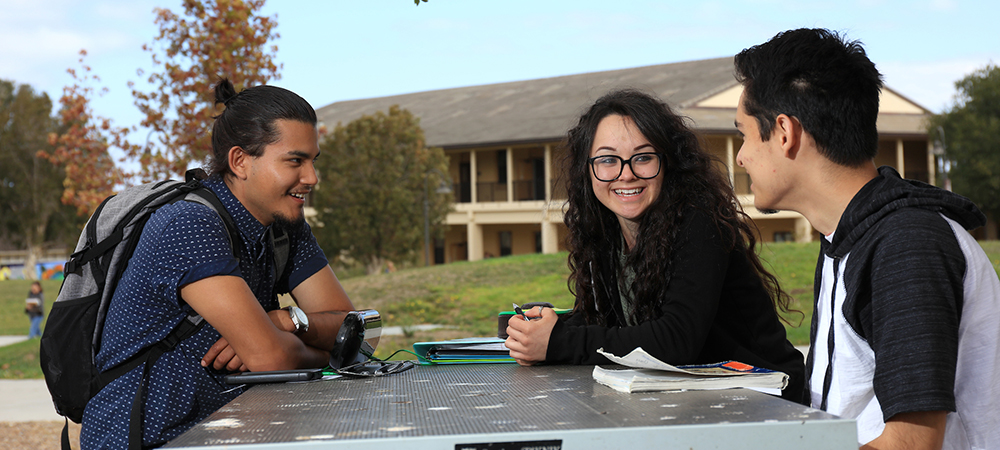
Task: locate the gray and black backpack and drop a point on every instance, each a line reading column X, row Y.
column 72, row 336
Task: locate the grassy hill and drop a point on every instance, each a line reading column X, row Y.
column 464, row 296
column 468, row 296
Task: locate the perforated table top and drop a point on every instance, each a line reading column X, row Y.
column 507, row 406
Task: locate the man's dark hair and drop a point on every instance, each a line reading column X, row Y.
column 823, row 80
column 248, row 120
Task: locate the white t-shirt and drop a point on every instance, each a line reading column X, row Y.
column 976, row 423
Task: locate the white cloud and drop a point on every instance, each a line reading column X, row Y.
column 48, row 37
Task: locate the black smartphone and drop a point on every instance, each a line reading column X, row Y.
column 275, row 376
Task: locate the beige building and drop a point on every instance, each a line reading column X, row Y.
column 503, row 141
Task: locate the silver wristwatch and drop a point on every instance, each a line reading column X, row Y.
column 299, row 318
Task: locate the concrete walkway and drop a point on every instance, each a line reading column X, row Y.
column 25, row 400
column 7, row 340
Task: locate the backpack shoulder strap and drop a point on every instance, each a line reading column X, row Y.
column 277, row 238
column 280, row 249
column 198, row 193
column 187, row 328
column 205, row 196
column 88, row 253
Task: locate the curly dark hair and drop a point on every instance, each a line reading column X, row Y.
column 691, row 180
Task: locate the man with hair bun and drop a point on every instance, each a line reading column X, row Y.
column 906, row 318
column 264, row 145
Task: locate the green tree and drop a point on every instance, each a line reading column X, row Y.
column 375, row 176
column 970, row 131
column 33, row 215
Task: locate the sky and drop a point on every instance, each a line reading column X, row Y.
column 343, row 50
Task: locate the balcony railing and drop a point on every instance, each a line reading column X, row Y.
column 463, row 192
column 491, row 192
column 524, row 190
column 528, row 190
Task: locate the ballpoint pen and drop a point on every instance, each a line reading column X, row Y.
column 517, row 309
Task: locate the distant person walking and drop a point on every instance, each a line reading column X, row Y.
column 34, row 307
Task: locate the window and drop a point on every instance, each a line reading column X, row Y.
column 506, row 242
column 538, row 183
column 438, row 251
column 465, row 182
column 501, row 166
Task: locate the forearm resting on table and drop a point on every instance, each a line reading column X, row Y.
column 323, row 328
column 228, row 304
column 291, row 353
column 912, row 431
column 323, row 299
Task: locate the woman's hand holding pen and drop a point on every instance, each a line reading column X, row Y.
column 528, row 336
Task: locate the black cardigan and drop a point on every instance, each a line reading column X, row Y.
column 715, row 308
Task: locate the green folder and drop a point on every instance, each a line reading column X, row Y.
column 488, row 350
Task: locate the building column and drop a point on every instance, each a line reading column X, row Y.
column 731, row 161
column 474, row 237
column 900, row 159
column 510, row 174
column 548, row 182
column 931, row 166
column 803, row 230
column 550, row 237
column 473, row 168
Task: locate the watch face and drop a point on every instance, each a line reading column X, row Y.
column 300, row 319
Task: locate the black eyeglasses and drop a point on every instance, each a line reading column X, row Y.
column 609, row 167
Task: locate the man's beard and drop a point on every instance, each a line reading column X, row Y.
column 286, row 224
column 767, row 211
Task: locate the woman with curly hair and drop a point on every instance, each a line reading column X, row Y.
column 661, row 254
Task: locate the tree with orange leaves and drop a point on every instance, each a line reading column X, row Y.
column 82, row 145
column 215, row 38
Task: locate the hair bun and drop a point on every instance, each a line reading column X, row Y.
column 224, row 91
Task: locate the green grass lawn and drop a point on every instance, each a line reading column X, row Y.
column 21, row 360
column 13, row 320
column 464, row 296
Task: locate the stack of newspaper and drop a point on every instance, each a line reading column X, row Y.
column 650, row 374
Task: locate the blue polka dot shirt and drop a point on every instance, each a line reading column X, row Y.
column 182, row 243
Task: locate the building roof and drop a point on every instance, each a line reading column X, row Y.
column 544, row 109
